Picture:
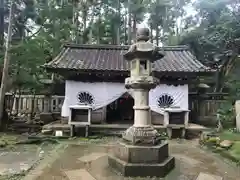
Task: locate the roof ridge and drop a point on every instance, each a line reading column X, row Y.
column 122, row 47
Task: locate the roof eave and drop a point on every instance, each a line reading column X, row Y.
column 123, row 72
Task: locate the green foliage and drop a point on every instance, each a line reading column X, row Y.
column 226, row 115
column 235, row 150
column 230, row 134
column 40, row 28
column 218, row 30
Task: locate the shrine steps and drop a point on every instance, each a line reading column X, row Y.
column 109, row 129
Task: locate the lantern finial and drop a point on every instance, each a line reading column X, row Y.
column 142, row 34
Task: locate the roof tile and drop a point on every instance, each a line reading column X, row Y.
column 110, row 57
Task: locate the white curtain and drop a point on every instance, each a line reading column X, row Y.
column 103, row 93
column 178, row 93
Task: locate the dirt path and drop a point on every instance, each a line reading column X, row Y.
column 90, row 163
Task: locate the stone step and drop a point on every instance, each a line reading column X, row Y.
column 107, row 132
column 205, row 176
column 79, row 174
column 91, row 157
column 116, row 131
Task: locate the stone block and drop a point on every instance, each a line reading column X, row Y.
column 132, row 160
column 141, row 154
column 46, row 118
column 205, row 176
column 79, row 174
column 226, row 144
column 56, row 116
column 142, row 169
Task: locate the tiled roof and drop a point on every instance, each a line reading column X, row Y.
column 110, row 58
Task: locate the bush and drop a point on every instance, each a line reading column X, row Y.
column 226, row 115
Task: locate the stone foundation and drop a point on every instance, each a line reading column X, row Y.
column 131, row 160
column 141, row 135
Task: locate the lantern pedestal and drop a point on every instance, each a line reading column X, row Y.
column 143, row 161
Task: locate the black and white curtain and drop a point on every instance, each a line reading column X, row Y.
column 100, row 94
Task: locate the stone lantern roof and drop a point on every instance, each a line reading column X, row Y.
column 143, row 48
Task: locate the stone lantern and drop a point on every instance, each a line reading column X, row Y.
column 141, row 56
column 142, row 153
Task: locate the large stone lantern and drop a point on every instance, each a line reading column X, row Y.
column 142, row 153
column 141, row 56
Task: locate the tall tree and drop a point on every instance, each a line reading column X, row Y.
column 2, row 23
column 6, row 65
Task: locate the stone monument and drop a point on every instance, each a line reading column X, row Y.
column 142, row 152
column 237, row 110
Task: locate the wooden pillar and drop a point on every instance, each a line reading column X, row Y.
column 40, row 105
column 87, row 131
column 72, row 130
column 35, row 107
column 186, row 118
column 47, row 104
column 14, row 109
column 183, row 132
column 104, row 114
column 56, row 105
column 24, row 108
column 169, row 132
column 29, row 104
column 166, row 118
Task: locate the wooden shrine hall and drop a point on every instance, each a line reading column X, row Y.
column 94, row 76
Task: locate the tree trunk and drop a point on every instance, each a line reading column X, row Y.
column 74, row 10
column 157, row 35
column 134, row 27
column 99, row 23
column 129, row 23
column 90, row 31
column 98, row 29
column 1, row 23
column 125, row 29
column 151, row 33
column 119, row 23
column 84, row 34
column 5, row 66
column 77, row 38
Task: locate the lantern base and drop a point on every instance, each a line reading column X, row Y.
column 143, row 161
column 141, row 136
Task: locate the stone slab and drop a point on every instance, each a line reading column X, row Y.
column 205, row 176
column 79, row 174
column 16, row 162
column 91, row 157
column 186, row 159
column 141, row 169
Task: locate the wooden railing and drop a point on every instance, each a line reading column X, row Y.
column 26, row 104
column 204, row 107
